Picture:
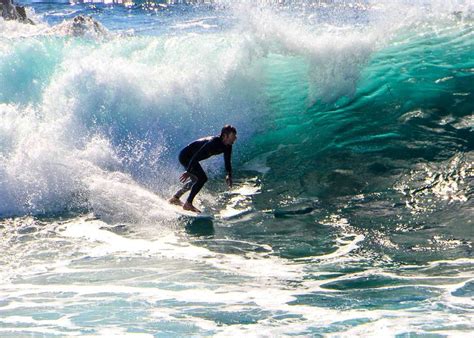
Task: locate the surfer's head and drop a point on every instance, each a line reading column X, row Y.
column 228, row 134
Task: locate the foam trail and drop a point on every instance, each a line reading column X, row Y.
column 170, row 246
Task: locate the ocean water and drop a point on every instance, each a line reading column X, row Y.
column 352, row 209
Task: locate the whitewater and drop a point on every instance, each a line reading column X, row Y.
column 352, row 207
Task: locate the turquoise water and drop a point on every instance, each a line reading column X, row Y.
column 351, row 213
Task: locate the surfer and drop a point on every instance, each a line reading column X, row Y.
column 200, row 150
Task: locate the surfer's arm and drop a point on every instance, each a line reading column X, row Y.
column 184, row 177
column 228, row 165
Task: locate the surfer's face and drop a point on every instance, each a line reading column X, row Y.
column 229, row 139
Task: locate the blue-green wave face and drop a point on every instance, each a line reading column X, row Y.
column 342, row 123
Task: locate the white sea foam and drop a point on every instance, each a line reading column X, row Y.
column 261, row 287
column 101, row 112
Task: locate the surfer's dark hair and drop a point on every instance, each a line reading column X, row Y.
column 228, row 129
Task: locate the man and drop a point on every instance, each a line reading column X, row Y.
column 200, row 150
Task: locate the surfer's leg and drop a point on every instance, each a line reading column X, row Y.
column 201, row 180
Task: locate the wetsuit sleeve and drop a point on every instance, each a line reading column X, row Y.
column 227, row 156
column 198, row 155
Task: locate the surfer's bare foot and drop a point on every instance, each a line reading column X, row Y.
column 188, row 206
column 175, row 200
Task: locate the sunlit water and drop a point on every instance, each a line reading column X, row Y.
column 351, row 213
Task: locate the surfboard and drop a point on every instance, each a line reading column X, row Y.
column 195, row 215
column 185, row 213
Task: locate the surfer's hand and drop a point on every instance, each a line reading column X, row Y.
column 228, row 180
column 184, row 177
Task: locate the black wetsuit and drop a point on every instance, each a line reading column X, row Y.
column 197, row 151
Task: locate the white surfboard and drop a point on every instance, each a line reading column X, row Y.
column 180, row 211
